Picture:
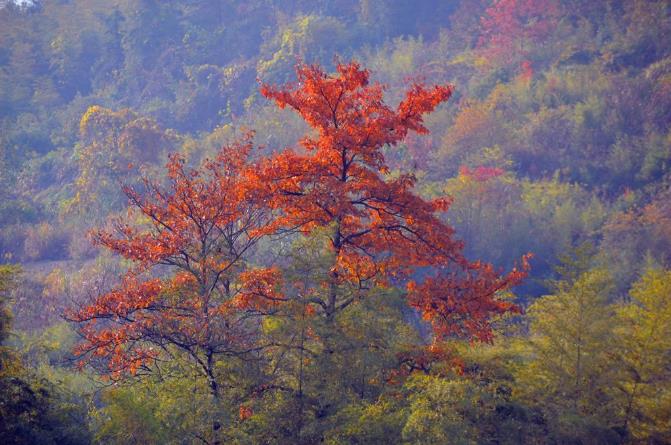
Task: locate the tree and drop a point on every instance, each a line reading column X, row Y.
column 112, row 143
column 369, row 234
column 644, row 339
column 508, row 26
column 382, row 233
column 33, row 409
column 571, row 371
column 191, row 290
column 8, row 274
column 635, row 235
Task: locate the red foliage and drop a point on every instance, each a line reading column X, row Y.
column 481, row 173
column 511, row 26
column 201, row 228
column 204, row 224
column 245, row 412
column 526, row 71
column 382, row 232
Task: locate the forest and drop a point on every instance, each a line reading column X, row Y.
column 335, row 222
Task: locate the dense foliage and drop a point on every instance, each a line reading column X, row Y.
column 214, row 228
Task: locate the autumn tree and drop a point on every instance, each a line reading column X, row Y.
column 382, row 233
column 191, row 291
column 509, row 27
column 377, row 233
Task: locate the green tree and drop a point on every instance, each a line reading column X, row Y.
column 643, row 337
column 112, row 145
column 571, row 372
column 33, row 410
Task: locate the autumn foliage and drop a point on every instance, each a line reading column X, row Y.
column 206, row 223
column 512, row 26
column 202, row 227
column 382, row 232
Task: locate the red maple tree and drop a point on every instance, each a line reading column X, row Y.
column 191, row 288
column 382, row 233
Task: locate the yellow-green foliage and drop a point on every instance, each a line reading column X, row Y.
column 113, row 145
column 441, row 411
column 307, row 36
column 643, row 342
column 571, row 367
column 8, row 275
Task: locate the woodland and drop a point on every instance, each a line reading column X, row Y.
column 335, row 222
